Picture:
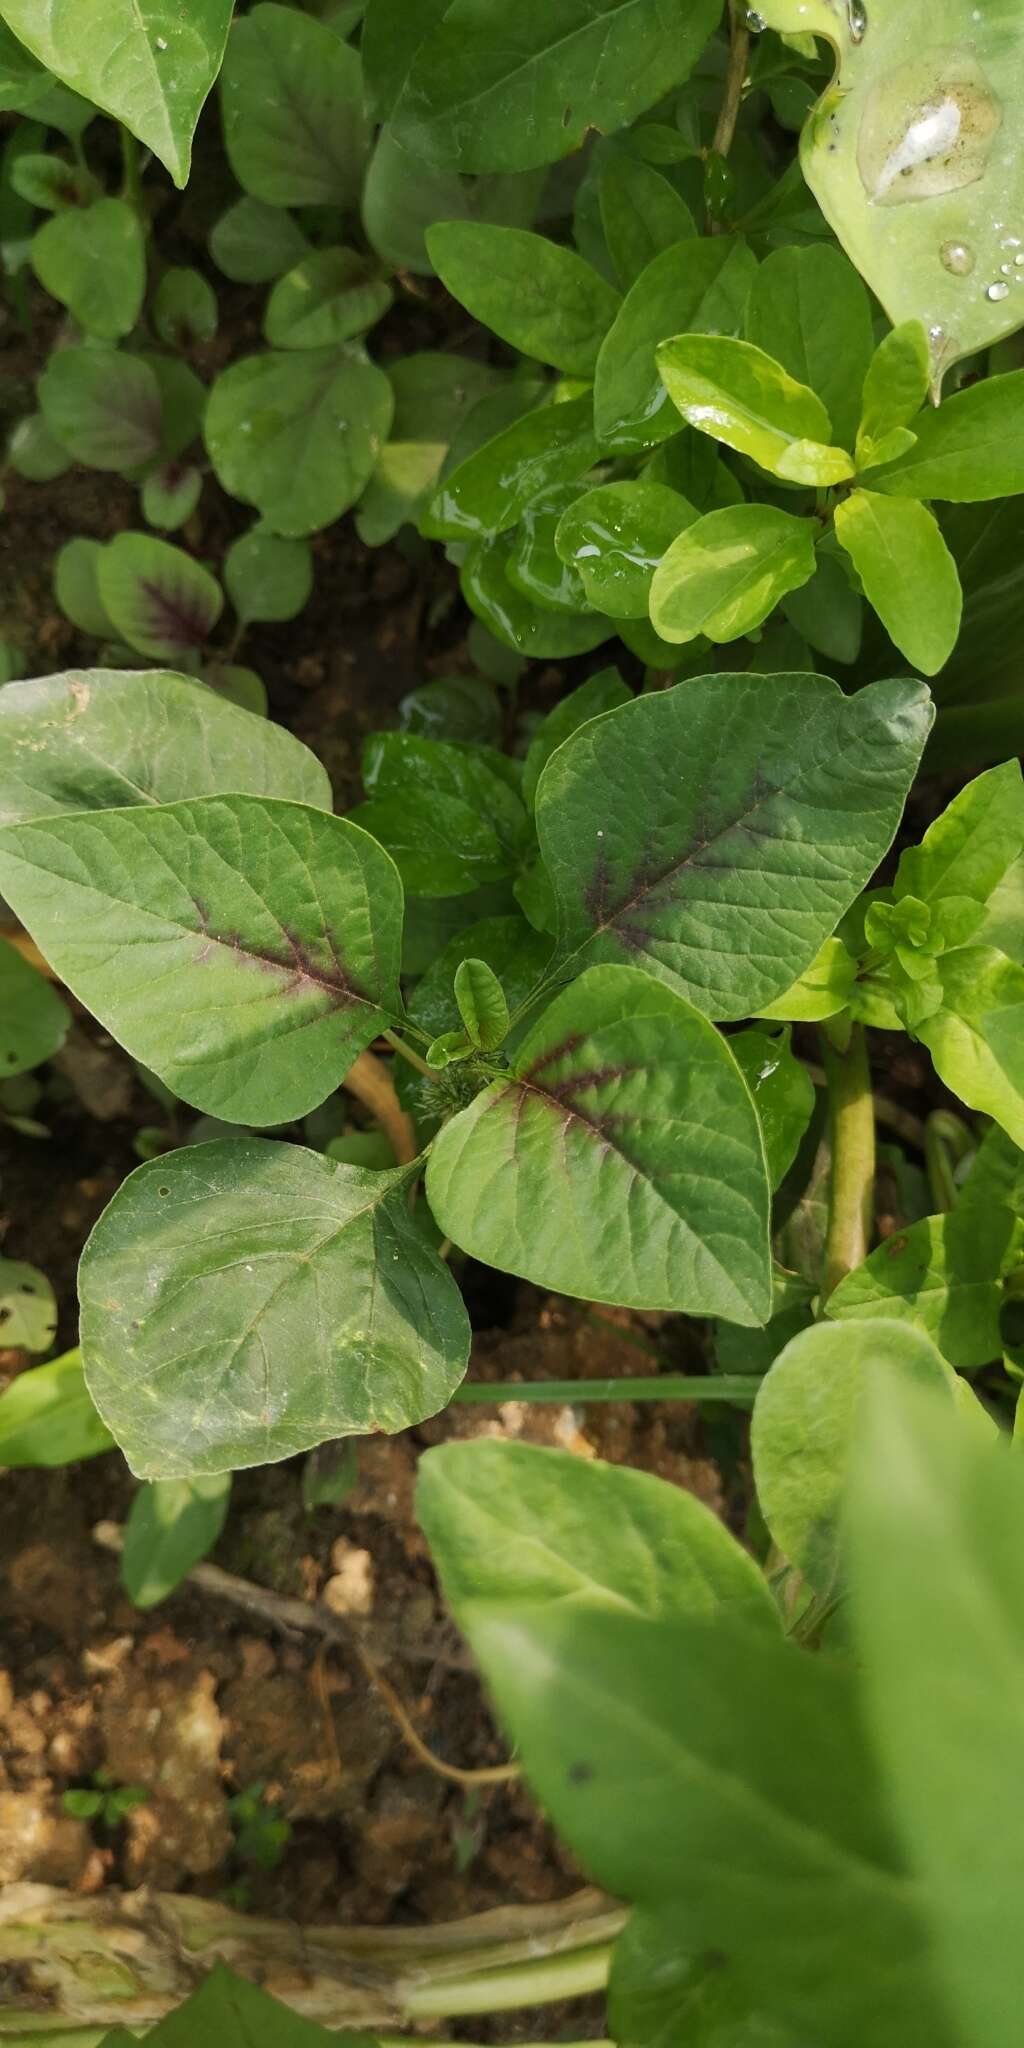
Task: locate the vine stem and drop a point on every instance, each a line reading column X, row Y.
column 852, row 1131
column 398, row 1045
column 728, row 113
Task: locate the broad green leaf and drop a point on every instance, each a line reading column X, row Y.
column 47, row 1417
column 158, row 599
column 808, row 309
column 532, row 629
column 482, row 1003
column 28, row 1309
column 229, row 2012
column 253, row 243
column 393, row 31
column 723, row 575
column 433, row 394
column 697, row 287
column 895, row 389
column 510, row 1522
column 542, row 299
column 661, row 1993
column 449, row 822
column 489, row 492
column 171, row 1525
column 35, row 453
column 641, row 213
column 454, row 707
column 266, row 577
column 294, row 126
column 404, row 196
column 970, row 448
column 621, row 1099
column 244, row 1300
column 184, row 308
column 297, row 433
column 907, row 571
column 703, row 1765
column 103, row 406
column 938, row 1610
column 783, row 1094
column 331, row 296
column 487, row 91
column 170, row 495
column 76, row 587
column 966, row 853
column 805, row 1424
column 1003, row 923
column 944, row 1275
column 93, row 259
column 604, row 691
column 208, row 935
column 824, row 988
column 976, row 1037
column 144, row 62
column 98, row 739
column 615, row 536
column 827, row 612
column 742, row 397
column 533, row 565
column 697, row 832
column 516, row 953
column 34, row 1020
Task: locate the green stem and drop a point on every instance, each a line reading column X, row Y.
column 739, row 52
column 544, row 1982
column 131, row 180
column 852, row 1130
column 946, row 1142
column 734, row 1388
column 398, row 1045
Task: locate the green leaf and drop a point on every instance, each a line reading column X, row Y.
column 488, row 493
column 266, row 577
column 532, row 629
column 98, row 739
column 171, row 1525
column 47, row 1417
column 244, row 1300
column 93, row 259
column 103, row 406
column 641, row 213
column 660, row 1993
column 512, row 949
column 727, row 571
column 454, row 707
column 159, row 600
column 697, row 287
column 252, row 243
column 976, row 1037
column 297, row 433
column 809, row 310
column 142, row 61
column 824, row 988
column 938, row 1607
column 783, row 1094
column 542, row 299
column 294, row 126
column 971, row 448
column 170, row 495
column 433, row 394
column 805, row 1425
column 615, row 536
column 33, row 1020
column 404, row 196
column 908, row 574
column 482, row 1003
column 510, row 1522
column 331, row 296
column 184, row 308
column 620, row 1099
column 966, row 852
column 604, row 691
column 696, row 832
column 393, row 31
column 447, row 820
column 34, row 453
column 533, row 565
column 736, row 394
column 827, row 612
column 944, row 1275
column 260, row 919
column 28, row 1309
column 486, row 92
column 76, row 587
column 228, row 2012
column 895, row 389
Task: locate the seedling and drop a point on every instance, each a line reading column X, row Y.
column 103, row 1801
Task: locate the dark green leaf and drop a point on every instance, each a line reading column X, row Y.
column 482, row 1002
column 448, row 821
column 697, row 287
column 93, row 259
column 184, row 308
column 971, row 448
column 253, row 242
column 542, row 299
column 516, row 953
column 103, row 406
column 294, row 126
column 331, row 296
column 489, row 492
column 641, row 214
column 297, row 433
column 615, row 536
column 530, row 628
column 604, row 691
column 808, row 309
column 266, row 577
column 158, row 599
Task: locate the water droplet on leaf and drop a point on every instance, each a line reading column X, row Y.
column 958, row 258
column 921, row 136
column 161, row 42
column 857, row 15
column 998, row 291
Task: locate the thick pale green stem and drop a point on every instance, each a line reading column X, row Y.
column 852, row 1132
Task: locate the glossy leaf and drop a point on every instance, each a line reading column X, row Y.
column 490, row 92
column 294, row 125
column 266, row 577
column 908, row 574
column 47, row 1417
column 944, row 1275
column 805, row 1425
column 142, row 61
column 172, row 1524
column 244, row 1300
column 697, row 832
column 93, row 260
column 727, row 571
column 532, row 630
column 159, row 600
column 604, row 691
column 970, row 448
column 542, row 299
column 508, row 1522
column 808, row 309
column 449, row 822
column 738, row 395
column 103, row 406
column 97, row 739
column 641, row 213
column 622, row 1097
column 697, row 287
column 533, row 565
column 895, row 389
column 331, row 296
column 262, row 919
column 297, row 433
column 615, row 536
column 434, row 393
column 34, row 1021
column 28, row 1307
column 489, row 492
